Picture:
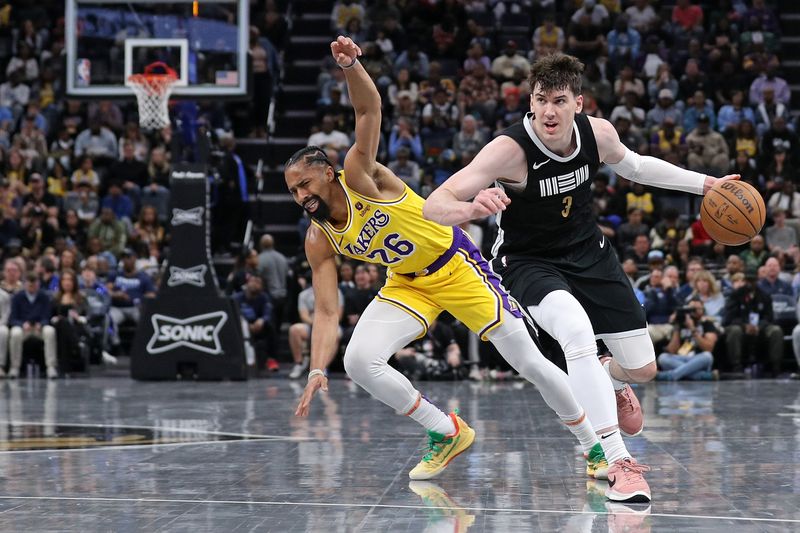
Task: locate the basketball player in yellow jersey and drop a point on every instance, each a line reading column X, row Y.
column 368, row 213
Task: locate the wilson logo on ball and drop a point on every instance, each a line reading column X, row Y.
column 739, row 194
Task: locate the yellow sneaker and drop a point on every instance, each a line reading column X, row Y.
column 443, row 449
column 596, row 464
column 443, row 513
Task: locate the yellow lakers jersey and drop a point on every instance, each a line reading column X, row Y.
column 392, row 233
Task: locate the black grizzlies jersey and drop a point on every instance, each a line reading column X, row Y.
column 551, row 212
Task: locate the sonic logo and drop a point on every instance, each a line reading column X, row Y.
column 195, row 275
column 192, row 216
column 199, row 333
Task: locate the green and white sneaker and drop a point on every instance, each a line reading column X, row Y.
column 596, row 464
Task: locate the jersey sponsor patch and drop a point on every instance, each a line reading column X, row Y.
column 564, row 183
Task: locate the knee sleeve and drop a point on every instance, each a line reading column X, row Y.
column 562, row 316
column 361, row 361
column 515, row 344
column 367, row 353
column 631, row 352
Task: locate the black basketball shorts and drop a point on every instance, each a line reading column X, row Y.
column 591, row 272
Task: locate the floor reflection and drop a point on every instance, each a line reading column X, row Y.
column 723, row 454
column 444, row 514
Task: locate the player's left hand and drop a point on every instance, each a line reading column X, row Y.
column 314, row 384
column 344, row 50
column 711, row 181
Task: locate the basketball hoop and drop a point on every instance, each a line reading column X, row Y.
column 152, row 89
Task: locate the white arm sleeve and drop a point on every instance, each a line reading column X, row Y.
column 658, row 173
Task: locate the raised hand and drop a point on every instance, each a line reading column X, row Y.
column 344, row 51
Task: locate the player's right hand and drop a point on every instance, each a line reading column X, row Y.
column 344, row 50
column 488, row 202
column 315, row 383
column 711, row 181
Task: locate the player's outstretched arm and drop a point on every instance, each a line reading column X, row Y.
column 645, row 169
column 450, row 204
column 324, row 333
column 360, row 160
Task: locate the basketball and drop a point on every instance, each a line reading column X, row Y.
column 733, row 212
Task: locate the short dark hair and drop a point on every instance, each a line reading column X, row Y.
column 310, row 155
column 32, row 277
column 555, row 72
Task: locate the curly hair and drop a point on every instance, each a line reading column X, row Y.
column 555, row 72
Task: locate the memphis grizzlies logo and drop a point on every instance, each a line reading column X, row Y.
column 199, row 333
column 564, row 183
column 192, row 216
column 195, row 275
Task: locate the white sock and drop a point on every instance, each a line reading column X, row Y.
column 613, row 447
column 583, row 432
column 432, row 418
column 617, row 384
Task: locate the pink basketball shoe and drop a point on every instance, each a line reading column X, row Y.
column 626, row 481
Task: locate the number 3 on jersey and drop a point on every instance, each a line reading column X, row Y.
column 567, row 206
column 393, row 244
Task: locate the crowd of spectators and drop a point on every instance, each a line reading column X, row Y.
column 695, row 83
column 84, row 192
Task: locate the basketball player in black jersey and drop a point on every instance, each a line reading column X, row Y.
column 551, row 254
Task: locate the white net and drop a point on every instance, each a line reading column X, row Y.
column 152, row 94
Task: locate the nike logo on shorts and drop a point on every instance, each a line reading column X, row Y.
column 537, row 165
column 603, row 241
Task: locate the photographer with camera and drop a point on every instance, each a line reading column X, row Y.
column 688, row 354
column 435, row 356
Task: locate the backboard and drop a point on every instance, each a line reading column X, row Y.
column 205, row 41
